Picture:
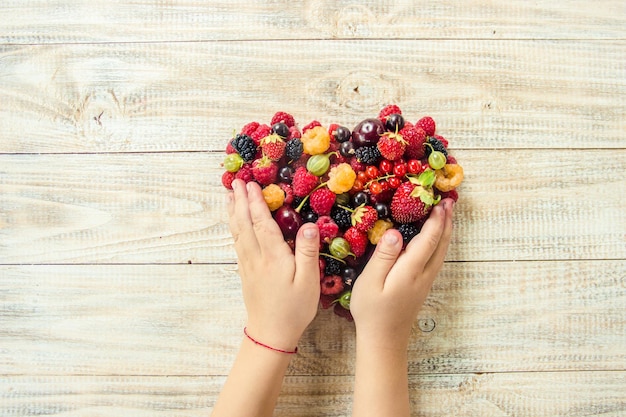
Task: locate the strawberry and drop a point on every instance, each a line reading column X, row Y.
column 415, row 138
column 273, row 146
column 364, row 217
column 357, row 240
column 322, row 201
column 414, row 199
column 264, row 170
column 391, row 146
column 428, row 124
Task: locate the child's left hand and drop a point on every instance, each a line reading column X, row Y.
column 280, row 289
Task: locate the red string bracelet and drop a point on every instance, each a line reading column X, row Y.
column 289, row 352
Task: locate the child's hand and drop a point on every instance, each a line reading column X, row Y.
column 393, row 286
column 280, row 290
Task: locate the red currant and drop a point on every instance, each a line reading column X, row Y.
column 372, row 171
column 384, row 186
column 414, row 166
column 394, row 182
column 399, row 170
column 357, row 186
column 375, row 187
column 362, row 175
column 385, row 166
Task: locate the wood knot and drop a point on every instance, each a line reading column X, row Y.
column 100, row 121
column 426, row 325
column 364, row 91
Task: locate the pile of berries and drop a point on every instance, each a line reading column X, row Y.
column 354, row 184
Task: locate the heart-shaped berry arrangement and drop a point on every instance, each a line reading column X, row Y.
column 355, row 184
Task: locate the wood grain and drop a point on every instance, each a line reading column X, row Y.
column 543, row 394
column 191, row 96
column 67, row 21
column 170, row 208
column 181, row 320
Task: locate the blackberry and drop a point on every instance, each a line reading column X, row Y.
column 342, row 217
column 306, row 207
column 436, row 146
column 369, row 155
column 245, row 147
column 408, row 232
column 294, row 149
column 333, row 266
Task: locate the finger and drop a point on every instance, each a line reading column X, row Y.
column 307, row 253
column 435, row 262
column 383, row 258
column 421, row 248
column 241, row 222
column 267, row 232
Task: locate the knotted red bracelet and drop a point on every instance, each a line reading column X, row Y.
column 289, row 352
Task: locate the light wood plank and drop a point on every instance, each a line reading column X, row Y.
column 191, row 96
column 44, row 21
column 567, row 394
column 187, row 320
column 170, row 208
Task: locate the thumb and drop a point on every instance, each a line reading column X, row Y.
column 383, row 259
column 307, row 252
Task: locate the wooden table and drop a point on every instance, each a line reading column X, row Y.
column 119, row 294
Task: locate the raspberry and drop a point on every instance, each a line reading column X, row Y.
column 322, row 201
column 369, row 155
column 283, row 117
column 328, row 228
column 357, row 240
column 315, row 140
column 327, row 301
column 357, row 165
column 249, row 128
column 245, row 147
column 229, row 148
column 261, row 132
column 380, row 227
column 294, row 149
column 274, row 196
column 364, row 217
column 303, row 182
column 415, row 138
column 408, row 232
column 453, row 194
column 391, row 146
column 294, row 132
column 245, row 173
column 311, row 125
column 273, row 146
column 387, row 111
column 450, row 159
column 288, row 192
column 436, row 146
column 428, row 124
column 331, row 130
column 227, row 179
column 342, row 217
column 331, row 285
column 264, row 170
column 341, row 178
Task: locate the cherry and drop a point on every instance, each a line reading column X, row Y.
column 289, row 221
column 367, row 133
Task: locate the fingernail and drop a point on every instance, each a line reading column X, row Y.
column 310, row 232
column 390, row 238
column 235, row 185
column 248, row 186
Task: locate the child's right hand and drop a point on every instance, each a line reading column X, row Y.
column 393, row 286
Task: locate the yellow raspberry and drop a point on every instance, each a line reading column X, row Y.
column 315, row 140
column 274, row 196
column 341, row 178
column 377, row 231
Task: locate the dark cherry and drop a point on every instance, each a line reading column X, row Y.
column 394, row 122
column 346, row 149
column 360, row 198
column 288, row 220
column 367, row 133
column 383, row 210
column 342, row 134
column 281, row 129
column 285, row 174
column 309, row 217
